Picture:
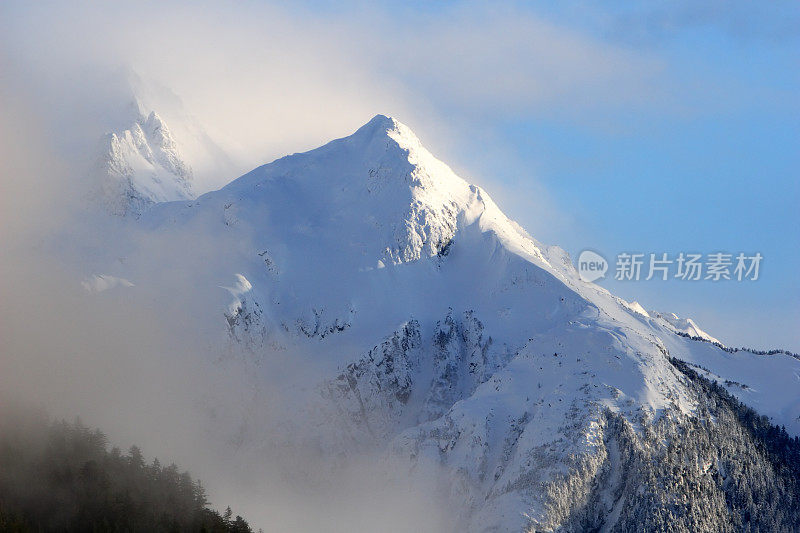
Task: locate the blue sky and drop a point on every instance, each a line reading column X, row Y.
column 712, row 166
column 647, row 126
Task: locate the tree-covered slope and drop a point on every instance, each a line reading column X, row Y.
column 59, row 476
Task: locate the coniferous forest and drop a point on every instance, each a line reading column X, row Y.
column 725, row 469
column 60, row 476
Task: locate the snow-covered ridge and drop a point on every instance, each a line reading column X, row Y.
column 681, row 326
column 686, row 326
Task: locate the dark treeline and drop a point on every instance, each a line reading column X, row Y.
column 59, row 476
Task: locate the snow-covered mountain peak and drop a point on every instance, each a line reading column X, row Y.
column 142, row 165
column 377, row 126
column 152, row 150
column 430, row 326
column 380, row 191
column 385, row 142
column 158, row 130
column 428, row 172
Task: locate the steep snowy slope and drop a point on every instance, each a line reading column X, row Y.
column 435, row 329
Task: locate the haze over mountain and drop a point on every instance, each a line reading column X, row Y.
column 144, row 159
column 395, row 310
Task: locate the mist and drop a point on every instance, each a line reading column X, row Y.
column 74, row 342
column 75, row 345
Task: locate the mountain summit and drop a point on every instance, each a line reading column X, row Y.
column 152, row 151
column 435, row 330
column 379, row 188
column 142, row 165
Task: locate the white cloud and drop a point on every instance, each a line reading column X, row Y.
column 266, row 80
